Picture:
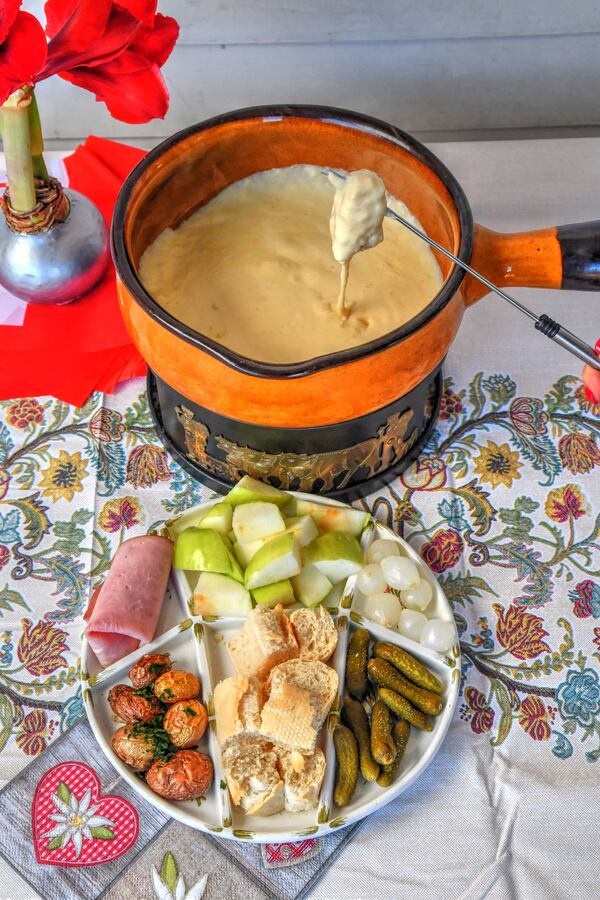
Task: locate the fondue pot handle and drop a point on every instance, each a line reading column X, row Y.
column 567, row 257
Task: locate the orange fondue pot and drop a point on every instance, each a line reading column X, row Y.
column 343, row 423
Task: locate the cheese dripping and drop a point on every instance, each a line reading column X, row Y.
column 356, row 223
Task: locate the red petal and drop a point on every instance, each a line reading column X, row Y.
column 76, row 22
column 132, row 87
column 157, row 42
column 141, row 9
column 80, row 44
column 8, row 14
column 23, row 53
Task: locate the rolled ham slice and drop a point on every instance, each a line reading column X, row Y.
column 126, row 610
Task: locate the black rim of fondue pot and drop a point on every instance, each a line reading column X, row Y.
column 345, row 461
column 343, row 117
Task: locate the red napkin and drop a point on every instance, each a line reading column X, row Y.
column 70, row 351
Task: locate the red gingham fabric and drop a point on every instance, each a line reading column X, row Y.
column 289, row 852
column 79, row 777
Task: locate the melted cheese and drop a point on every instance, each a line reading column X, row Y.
column 254, row 270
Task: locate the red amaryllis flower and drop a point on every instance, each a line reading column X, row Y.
column 520, row 632
column 105, row 425
column 22, row 47
column 450, row 404
column 118, row 514
column 482, row 714
column 535, row 718
column 40, row 647
column 528, row 416
column 443, row 551
column 113, row 49
column 22, row 412
column 4, row 556
column 578, row 453
column 31, row 737
column 146, row 466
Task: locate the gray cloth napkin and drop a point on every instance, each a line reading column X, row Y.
column 234, row 869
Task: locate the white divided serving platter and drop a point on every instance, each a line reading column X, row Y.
column 198, row 644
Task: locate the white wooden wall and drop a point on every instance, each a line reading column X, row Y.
column 429, row 66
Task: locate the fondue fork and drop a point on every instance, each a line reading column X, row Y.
column 542, row 323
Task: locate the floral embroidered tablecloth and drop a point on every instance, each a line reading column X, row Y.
column 76, row 482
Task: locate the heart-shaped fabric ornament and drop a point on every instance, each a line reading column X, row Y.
column 74, row 825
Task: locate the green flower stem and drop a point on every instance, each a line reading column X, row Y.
column 17, row 152
column 569, row 417
column 37, row 141
column 429, row 528
column 12, row 671
column 534, row 537
column 31, row 702
column 593, row 572
column 492, row 672
column 69, row 678
column 47, row 436
column 499, row 419
column 43, row 439
column 572, row 546
column 471, row 425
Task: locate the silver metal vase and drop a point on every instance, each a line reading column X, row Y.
column 58, row 265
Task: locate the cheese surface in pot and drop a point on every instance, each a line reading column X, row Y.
column 254, row 270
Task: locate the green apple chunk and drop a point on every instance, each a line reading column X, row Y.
column 332, row 518
column 336, row 554
column 245, row 550
column 249, row 490
column 277, row 559
column 204, row 550
column 256, row 520
column 334, row 597
column 218, row 518
column 273, row 594
column 219, row 595
column 304, row 529
column 311, row 586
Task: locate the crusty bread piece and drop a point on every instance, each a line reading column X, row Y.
column 317, row 679
column 238, row 702
column 266, row 640
column 288, row 718
column 302, row 777
column 251, row 770
column 315, row 632
column 300, row 696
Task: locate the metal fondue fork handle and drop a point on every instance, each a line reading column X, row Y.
column 543, row 323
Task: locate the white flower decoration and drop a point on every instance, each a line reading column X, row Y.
column 75, row 820
column 164, row 892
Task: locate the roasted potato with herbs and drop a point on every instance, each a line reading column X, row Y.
column 173, row 686
column 136, row 750
column 185, row 722
column 187, row 775
column 131, row 707
column 148, row 668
